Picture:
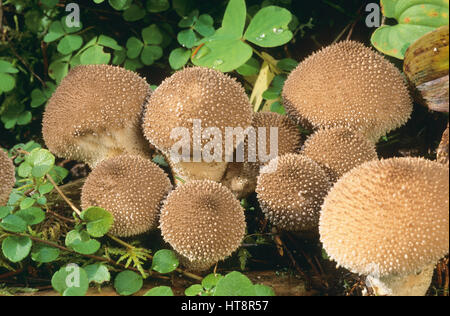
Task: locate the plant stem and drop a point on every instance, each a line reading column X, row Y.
column 72, row 206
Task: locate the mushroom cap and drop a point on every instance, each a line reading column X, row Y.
column 195, row 93
column 203, row 222
column 291, row 189
column 95, row 101
column 348, row 84
column 7, row 177
column 388, row 217
column 289, row 137
column 338, row 150
column 132, row 188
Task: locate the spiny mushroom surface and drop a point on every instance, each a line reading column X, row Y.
column 207, row 96
column 7, row 177
column 442, row 150
column 132, row 188
column 240, row 177
column 291, row 189
column 350, row 85
column 203, row 222
column 338, row 150
column 389, row 220
column 96, row 113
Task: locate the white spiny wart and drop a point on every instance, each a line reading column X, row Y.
column 196, row 93
column 291, row 189
column 203, row 222
column 96, row 113
column 389, row 220
column 7, row 177
column 338, row 150
column 132, row 188
column 350, row 85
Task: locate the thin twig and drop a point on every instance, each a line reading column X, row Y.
column 72, row 206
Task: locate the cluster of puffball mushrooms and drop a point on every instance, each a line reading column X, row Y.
column 386, row 219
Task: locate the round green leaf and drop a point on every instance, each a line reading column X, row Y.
column 37, row 98
column 44, row 254
column 5, row 211
column 32, row 215
column 134, row 13
column 55, row 32
column 277, row 107
column 24, row 118
column 160, row 291
column 263, row 290
column 194, row 290
column 7, row 67
column 134, row 47
column 250, row 68
column 233, row 22
column 97, row 273
column 13, row 223
column 150, row 54
column 204, row 25
column 16, row 248
column 187, row 38
column 189, row 20
column 24, row 170
column 235, row 284
column 270, row 27
column 152, row 35
column 42, row 161
column 165, row 261
column 58, row 70
column 95, row 55
column 27, row 203
column 128, row 283
column 7, row 82
column 81, row 242
column 99, row 221
column 71, row 280
column 69, row 44
column 211, row 280
column 179, row 57
column 120, row 5
column 155, row 6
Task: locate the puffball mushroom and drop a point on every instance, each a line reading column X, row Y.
column 195, row 95
column 442, row 150
column 95, row 113
column 7, row 177
column 132, row 188
column 349, row 85
column 291, row 189
column 203, row 222
column 389, row 220
column 338, row 150
column 240, row 177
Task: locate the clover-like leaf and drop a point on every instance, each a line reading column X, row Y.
column 160, row 291
column 44, row 254
column 71, row 280
column 165, row 261
column 99, row 221
column 16, row 248
column 128, row 282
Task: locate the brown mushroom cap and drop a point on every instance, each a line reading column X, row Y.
column 203, row 222
column 132, row 188
column 350, row 85
column 338, row 150
column 291, row 189
column 7, row 177
column 195, row 94
column 388, row 217
column 95, row 113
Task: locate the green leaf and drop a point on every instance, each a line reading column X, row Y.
column 250, row 68
column 165, row 261
column 263, row 290
column 49, row 3
column 415, row 18
column 81, row 242
column 235, row 284
column 45, row 188
column 134, row 13
column 5, row 211
column 120, row 5
column 55, row 32
column 189, row 20
column 152, row 35
column 97, row 273
column 287, row 64
column 6, row 67
column 94, row 56
column 160, row 291
column 108, row 42
column 32, row 215
column 72, row 28
column 187, row 38
column 24, row 170
column 99, row 221
column 233, row 22
column 183, row 7
column 24, row 118
column 156, row 6
column 269, row 27
column 7, row 82
column 277, row 107
column 13, row 223
column 271, row 94
column 194, row 290
column 204, row 25
column 42, row 162
column 71, row 280
column 37, row 98
column 16, row 248
column 44, row 254
column 58, row 69
column 69, row 44
column 128, row 283
column 179, row 57
column 150, row 54
column 134, row 47
column 133, row 64
column 211, row 280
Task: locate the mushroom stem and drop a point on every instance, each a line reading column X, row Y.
column 199, row 170
column 415, row 284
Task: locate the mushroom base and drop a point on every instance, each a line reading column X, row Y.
column 416, row 284
column 94, row 148
column 240, row 178
column 189, row 171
